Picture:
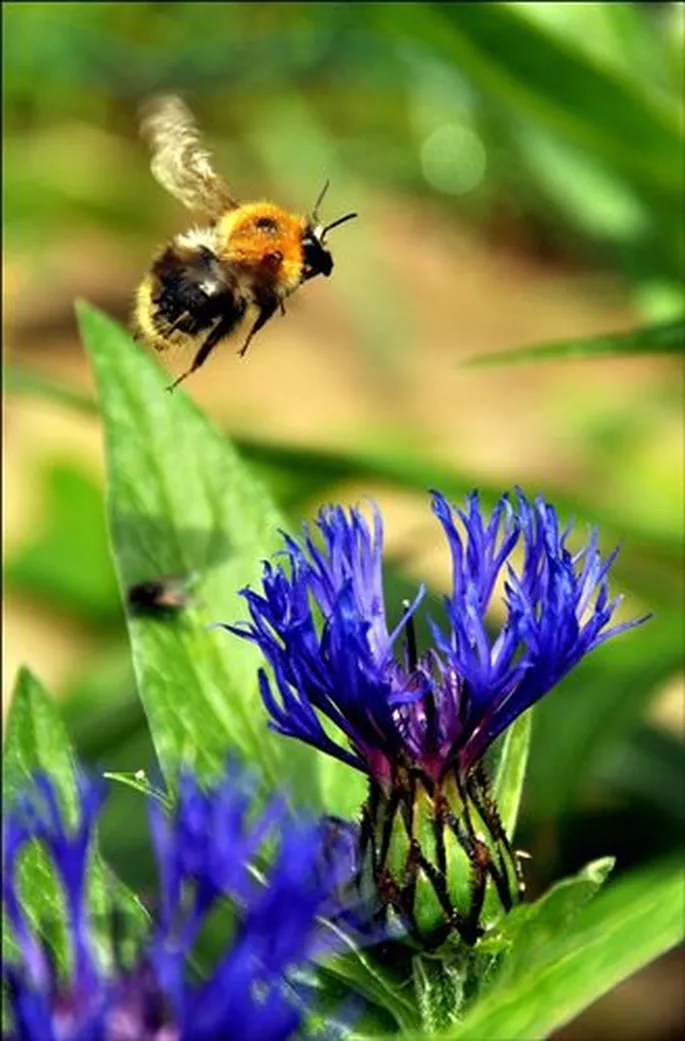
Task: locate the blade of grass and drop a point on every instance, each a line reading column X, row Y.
column 660, row 338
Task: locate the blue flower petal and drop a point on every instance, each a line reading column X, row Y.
column 206, row 850
column 320, row 621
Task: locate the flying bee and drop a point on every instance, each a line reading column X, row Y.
column 163, row 597
column 244, row 260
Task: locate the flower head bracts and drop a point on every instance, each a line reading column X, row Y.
column 321, row 624
column 205, row 852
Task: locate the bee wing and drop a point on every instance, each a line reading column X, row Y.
column 179, row 162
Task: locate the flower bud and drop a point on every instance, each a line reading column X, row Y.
column 438, row 855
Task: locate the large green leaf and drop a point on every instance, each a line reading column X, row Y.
column 624, row 928
column 662, row 338
column 180, row 501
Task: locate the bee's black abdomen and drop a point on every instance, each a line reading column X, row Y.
column 193, row 290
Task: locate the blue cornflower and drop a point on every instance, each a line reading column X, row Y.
column 206, row 852
column 419, row 723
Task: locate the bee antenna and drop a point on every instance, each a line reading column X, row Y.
column 336, row 223
column 317, row 204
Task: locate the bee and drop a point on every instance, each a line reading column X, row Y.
column 243, row 261
column 161, row 596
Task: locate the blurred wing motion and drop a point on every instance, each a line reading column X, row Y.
column 179, row 162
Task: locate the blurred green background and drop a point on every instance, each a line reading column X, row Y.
column 518, row 170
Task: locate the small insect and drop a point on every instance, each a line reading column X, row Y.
column 243, row 261
column 161, row 596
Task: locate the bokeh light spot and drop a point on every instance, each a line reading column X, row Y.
column 453, row 159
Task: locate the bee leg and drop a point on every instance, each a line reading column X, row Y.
column 282, row 307
column 181, row 318
column 220, row 330
column 266, row 312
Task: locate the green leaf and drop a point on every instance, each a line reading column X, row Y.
column 509, row 759
column 180, row 501
column 634, row 921
column 527, row 931
column 661, row 338
column 35, row 739
column 380, row 983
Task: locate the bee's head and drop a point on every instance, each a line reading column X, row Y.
column 317, row 259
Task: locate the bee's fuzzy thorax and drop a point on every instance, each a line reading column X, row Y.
column 262, row 234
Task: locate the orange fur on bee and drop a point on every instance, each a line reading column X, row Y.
column 278, row 250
